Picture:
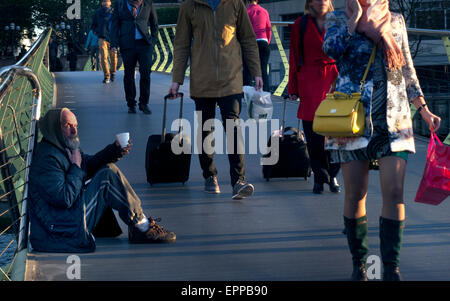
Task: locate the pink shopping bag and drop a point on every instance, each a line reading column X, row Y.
column 435, row 185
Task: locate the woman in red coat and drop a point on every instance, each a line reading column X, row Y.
column 311, row 74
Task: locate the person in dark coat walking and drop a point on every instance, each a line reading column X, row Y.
column 130, row 31
column 72, row 56
column 53, row 53
column 69, row 191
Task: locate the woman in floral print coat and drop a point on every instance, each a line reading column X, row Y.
column 391, row 86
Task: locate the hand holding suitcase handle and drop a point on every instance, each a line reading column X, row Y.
column 172, row 96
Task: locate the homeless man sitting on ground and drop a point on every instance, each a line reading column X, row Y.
column 64, row 211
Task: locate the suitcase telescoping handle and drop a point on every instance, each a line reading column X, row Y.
column 180, row 95
column 283, row 124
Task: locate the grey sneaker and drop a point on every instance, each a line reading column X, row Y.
column 242, row 190
column 211, row 185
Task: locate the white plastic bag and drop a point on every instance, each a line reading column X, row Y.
column 260, row 105
column 262, row 97
column 248, row 93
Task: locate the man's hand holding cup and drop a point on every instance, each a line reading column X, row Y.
column 123, row 140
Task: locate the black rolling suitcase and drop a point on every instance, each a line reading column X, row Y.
column 293, row 157
column 162, row 165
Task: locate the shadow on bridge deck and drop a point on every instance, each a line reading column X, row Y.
column 284, row 232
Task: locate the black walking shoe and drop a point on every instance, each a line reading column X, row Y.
column 391, row 273
column 211, row 185
column 318, row 188
column 106, row 80
column 113, row 77
column 242, row 190
column 145, row 109
column 131, row 110
column 155, row 234
column 359, row 272
column 334, row 186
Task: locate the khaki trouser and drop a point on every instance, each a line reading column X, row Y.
column 105, row 48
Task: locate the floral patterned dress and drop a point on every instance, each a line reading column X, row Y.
column 386, row 94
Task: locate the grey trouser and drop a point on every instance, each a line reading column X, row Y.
column 110, row 188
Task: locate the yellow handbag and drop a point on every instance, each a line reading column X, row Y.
column 340, row 114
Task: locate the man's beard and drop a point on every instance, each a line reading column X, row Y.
column 72, row 143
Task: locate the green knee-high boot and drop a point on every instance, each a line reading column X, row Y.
column 356, row 230
column 391, row 234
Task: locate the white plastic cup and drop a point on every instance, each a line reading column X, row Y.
column 123, row 139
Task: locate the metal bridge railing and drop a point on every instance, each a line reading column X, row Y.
column 23, row 86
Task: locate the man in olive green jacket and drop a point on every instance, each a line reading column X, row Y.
column 212, row 34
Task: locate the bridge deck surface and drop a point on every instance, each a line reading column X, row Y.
column 284, row 232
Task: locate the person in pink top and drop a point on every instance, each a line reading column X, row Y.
column 261, row 25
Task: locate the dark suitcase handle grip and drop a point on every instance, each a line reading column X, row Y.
column 290, row 128
column 174, row 96
column 163, row 133
column 295, row 131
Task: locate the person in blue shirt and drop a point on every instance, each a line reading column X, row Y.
column 92, row 47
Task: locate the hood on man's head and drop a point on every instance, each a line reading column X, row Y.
column 50, row 127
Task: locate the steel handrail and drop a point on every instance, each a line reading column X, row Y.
column 6, row 75
column 411, row 30
column 33, row 49
column 12, row 73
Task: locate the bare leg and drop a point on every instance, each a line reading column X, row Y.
column 392, row 177
column 356, row 180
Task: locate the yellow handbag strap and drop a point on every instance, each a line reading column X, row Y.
column 371, row 60
column 363, row 81
column 338, row 94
